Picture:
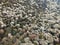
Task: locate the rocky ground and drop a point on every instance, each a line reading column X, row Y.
column 25, row 22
